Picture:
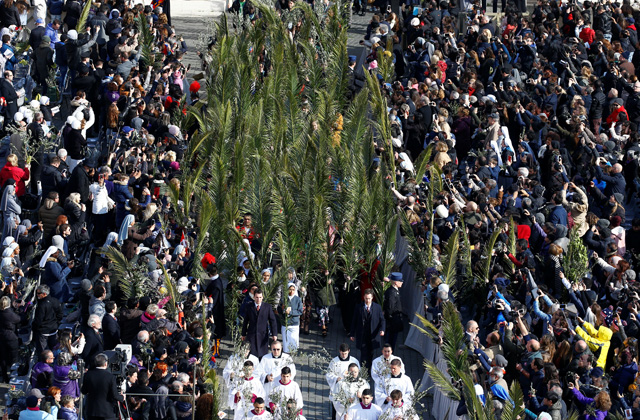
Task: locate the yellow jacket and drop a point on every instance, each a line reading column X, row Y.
column 597, row 339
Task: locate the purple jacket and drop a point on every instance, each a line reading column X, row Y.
column 584, row 401
column 62, row 381
column 67, row 414
column 38, row 373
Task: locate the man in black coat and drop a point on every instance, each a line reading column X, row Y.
column 35, row 38
column 94, row 343
column 260, row 320
column 102, row 394
column 46, row 320
column 8, row 92
column 367, row 325
column 393, row 308
column 110, row 326
column 215, row 293
column 80, row 180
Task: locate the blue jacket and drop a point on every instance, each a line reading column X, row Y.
column 53, row 34
column 55, row 7
column 34, row 415
column 558, row 216
column 615, row 183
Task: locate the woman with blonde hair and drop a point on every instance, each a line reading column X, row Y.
column 442, row 157
column 11, row 170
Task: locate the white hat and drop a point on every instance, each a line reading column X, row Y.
column 415, row 22
column 18, row 116
column 183, row 284
column 455, row 95
column 442, row 211
column 44, row 100
column 35, row 104
column 174, row 130
column 75, row 124
column 72, row 34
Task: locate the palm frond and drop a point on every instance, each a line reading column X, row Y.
column 441, row 380
column 450, row 260
column 514, row 410
column 84, row 15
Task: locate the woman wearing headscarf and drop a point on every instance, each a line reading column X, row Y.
column 28, row 237
column 128, row 231
column 160, row 404
column 181, row 260
column 9, row 270
column 55, row 275
column 11, row 209
column 290, row 311
column 9, row 321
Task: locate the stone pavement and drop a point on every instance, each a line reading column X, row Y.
column 313, row 384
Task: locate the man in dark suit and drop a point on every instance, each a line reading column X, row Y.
column 215, row 293
column 367, row 326
column 110, row 326
column 101, row 391
column 35, row 38
column 93, row 339
column 8, row 92
column 259, row 322
column 393, row 309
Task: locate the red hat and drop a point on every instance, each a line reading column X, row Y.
column 168, row 102
column 207, row 260
column 194, row 86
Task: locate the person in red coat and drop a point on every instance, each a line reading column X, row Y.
column 12, row 170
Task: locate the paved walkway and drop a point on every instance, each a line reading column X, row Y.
column 313, row 384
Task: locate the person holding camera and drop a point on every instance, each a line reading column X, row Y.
column 101, row 390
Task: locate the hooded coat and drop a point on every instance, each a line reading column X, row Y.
column 596, row 339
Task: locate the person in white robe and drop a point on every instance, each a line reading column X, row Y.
column 284, row 390
column 244, row 393
column 365, row 410
column 347, row 391
column 340, row 364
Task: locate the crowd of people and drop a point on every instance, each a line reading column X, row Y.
column 531, row 119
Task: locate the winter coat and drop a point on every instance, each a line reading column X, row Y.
column 9, row 320
column 9, row 16
column 48, row 316
column 62, row 381
column 67, row 414
column 18, row 174
column 52, row 180
column 596, row 339
column 120, row 195
column 101, row 198
column 129, row 324
column 584, row 401
column 79, row 182
column 49, row 212
column 75, row 143
column 42, row 61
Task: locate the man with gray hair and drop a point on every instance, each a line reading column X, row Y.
column 101, row 390
column 47, row 319
column 93, row 339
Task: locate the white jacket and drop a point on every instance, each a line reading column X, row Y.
column 102, row 203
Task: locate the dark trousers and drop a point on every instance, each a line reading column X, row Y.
column 8, row 356
column 45, row 342
column 366, row 352
column 391, row 338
